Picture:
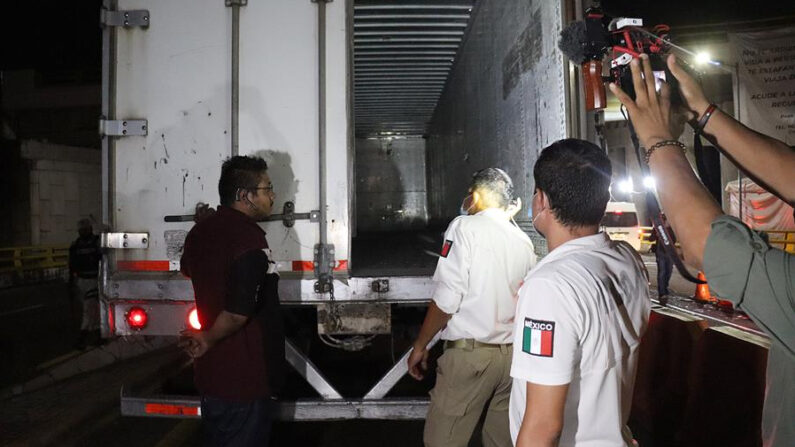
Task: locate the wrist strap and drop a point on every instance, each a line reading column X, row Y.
column 699, row 127
column 660, row 144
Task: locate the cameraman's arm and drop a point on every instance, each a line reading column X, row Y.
column 688, row 205
column 769, row 162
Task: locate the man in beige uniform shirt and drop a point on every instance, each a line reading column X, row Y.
column 483, row 260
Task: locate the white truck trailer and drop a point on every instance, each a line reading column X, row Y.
column 372, row 115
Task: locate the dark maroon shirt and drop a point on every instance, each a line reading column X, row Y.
column 226, row 260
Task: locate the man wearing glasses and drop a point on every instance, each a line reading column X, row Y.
column 239, row 351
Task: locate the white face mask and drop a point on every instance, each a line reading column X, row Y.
column 465, row 211
column 533, row 218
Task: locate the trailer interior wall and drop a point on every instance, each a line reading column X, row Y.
column 390, row 184
column 177, row 75
column 503, row 103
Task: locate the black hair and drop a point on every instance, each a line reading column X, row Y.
column 497, row 182
column 575, row 175
column 239, row 172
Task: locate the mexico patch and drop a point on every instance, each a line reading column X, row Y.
column 448, row 244
column 537, row 337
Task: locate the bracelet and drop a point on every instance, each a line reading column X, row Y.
column 699, row 127
column 663, row 143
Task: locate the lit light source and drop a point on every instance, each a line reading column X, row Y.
column 193, row 319
column 625, row 185
column 137, row 318
column 648, row 182
column 703, row 58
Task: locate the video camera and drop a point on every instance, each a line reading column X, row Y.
column 588, row 42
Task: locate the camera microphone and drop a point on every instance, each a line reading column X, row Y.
column 573, row 40
column 585, row 43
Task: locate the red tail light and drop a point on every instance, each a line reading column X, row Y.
column 193, row 319
column 137, row 318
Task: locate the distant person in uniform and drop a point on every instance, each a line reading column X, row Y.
column 581, row 312
column 239, row 351
column 737, row 262
column 665, row 264
column 483, row 260
column 84, row 258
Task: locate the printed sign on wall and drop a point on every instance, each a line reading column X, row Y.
column 766, row 65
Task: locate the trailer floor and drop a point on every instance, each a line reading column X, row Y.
column 398, row 253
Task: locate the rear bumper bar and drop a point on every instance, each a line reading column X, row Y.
column 188, row 407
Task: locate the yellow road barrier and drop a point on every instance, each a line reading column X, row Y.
column 19, row 259
column 783, row 239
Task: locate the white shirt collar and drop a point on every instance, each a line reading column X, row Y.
column 494, row 213
column 594, row 241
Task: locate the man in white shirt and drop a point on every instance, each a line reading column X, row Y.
column 581, row 311
column 483, row 260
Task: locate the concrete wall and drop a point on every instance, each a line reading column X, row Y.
column 62, row 107
column 15, row 206
column 65, row 186
column 503, row 103
column 390, row 184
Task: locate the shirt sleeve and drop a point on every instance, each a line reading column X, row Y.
column 547, row 333
column 184, row 260
column 246, row 281
column 452, row 270
column 742, row 268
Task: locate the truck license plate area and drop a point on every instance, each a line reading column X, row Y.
column 354, row 318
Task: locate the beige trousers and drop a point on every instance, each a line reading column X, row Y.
column 469, row 381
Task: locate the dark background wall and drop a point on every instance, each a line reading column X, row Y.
column 390, row 184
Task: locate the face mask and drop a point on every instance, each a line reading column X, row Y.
column 533, row 218
column 465, row 211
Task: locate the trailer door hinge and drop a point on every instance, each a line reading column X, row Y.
column 380, row 286
column 324, row 266
column 235, row 2
column 124, row 240
column 127, row 19
column 123, row 128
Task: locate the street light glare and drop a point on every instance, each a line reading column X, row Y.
column 625, row 185
column 648, row 182
column 703, row 58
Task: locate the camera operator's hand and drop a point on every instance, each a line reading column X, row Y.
column 695, row 101
column 650, row 113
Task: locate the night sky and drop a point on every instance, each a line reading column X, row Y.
column 50, row 34
column 65, row 34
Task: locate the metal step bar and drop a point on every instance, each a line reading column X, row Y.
column 189, row 407
column 331, row 406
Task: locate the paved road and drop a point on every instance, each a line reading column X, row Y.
column 84, row 410
column 37, row 323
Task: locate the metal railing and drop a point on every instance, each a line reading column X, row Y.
column 23, row 259
column 782, row 239
column 645, row 235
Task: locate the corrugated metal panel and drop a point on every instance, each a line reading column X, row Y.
column 403, row 53
column 503, row 103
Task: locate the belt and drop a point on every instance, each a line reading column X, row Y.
column 470, row 344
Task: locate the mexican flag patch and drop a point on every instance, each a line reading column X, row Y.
column 448, row 244
column 537, row 337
